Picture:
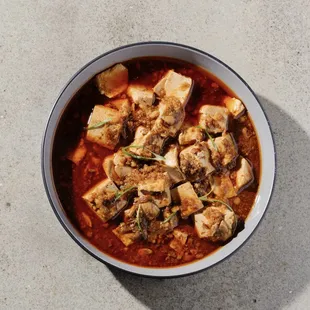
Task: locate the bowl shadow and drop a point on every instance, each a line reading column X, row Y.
column 273, row 267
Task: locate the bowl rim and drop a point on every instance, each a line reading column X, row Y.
column 72, row 234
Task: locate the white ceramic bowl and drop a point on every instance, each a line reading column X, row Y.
column 225, row 74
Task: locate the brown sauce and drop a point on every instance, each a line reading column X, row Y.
column 73, row 181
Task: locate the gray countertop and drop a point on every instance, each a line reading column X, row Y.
column 42, row 43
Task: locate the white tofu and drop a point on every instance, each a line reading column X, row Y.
column 158, row 189
column 190, row 203
column 195, row 162
column 113, row 81
column 123, row 106
column 100, row 198
column 149, row 140
column 181, row 236
column 107, row 135
column 223, row 187
column 235, row 106
column 121, row 167
column 215, row 223
column 244, row 175
column 175, row 85
column 171, row 117
column 213, row 118
column 141, row 96
column 172, row 164
column 226, row 150
column 190, row 136
column 78, row 154
column 126, row 234
column 109, row 168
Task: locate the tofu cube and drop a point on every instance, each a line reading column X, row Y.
column 100, row 198
column 226, row 150
column 190, row 136
column 141, row 96
column 190, row 203
column 107, row 135
column 123, row 106
column 122, row 165
column 195, row 162
column 244, row 175
column 174, row 85
column 222, row 186
column 113, row 81
column 172, row 164
column 216, row 223
column 147, row 141
column 213, row 118
column 126, row 234
column 171, row 117
column 78, row 154
column 158, row 189
column 234, row 106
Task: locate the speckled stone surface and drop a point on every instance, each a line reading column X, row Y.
column 42, row 43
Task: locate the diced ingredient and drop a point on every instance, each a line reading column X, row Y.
column 122, row 164
column 181, row 236
column 109, row 168
column 108, row 134
column 213, row 118
column 157, row 189
column 190, row 203
column 216, row 223
column 171, row 117
column 123, row 106
column 235, row 106
column 222, row 186
column 244, row 176
column 195, row 162
column 150, row 210
column 172, row 164
column 101, row 199
column 128, row 234
column 190, row 136
column 145, row 251
column 78, row 154
column 226, row 150
column 175, row 85
column 141, row 96
column 146, row 142
column 113, row 81
column 86, row 219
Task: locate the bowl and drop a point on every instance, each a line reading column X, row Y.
column 223, row 73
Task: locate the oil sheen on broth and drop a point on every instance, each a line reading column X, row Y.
column 156, row 162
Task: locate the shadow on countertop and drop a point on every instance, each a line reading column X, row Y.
column 273, row 267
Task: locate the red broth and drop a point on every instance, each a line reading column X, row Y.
column 73, row 181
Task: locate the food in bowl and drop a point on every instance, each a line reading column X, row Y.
column 156, row 162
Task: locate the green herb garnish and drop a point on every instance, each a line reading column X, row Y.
column 119, row 194
column 157, row 157
column 217, row 200
column 138, row 218
column 169, row 217
column 204, row 197
column 209, row 136
column 98, row 125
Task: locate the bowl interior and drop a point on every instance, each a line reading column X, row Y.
column 228, row 77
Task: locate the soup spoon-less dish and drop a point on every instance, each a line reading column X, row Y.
column 158, row 159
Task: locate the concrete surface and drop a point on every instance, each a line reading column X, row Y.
column 42, row 43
